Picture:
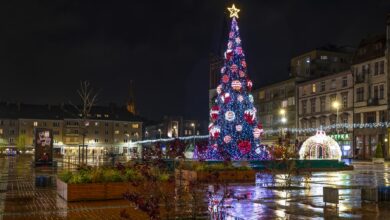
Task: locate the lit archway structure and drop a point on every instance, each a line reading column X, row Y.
column 320, row 146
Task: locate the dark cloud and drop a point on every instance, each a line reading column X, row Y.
column 47, row 47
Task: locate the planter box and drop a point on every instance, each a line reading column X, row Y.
column 211, row 176
column 91, row 191
column 102, row 191
column 378, row 160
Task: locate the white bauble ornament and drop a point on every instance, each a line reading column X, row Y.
column 256, row 133
column 239, row 128
column 240, row 98
column 236, row 85
column 227, row 139
column 230, row 116
column 250, row 98
column 219, row 89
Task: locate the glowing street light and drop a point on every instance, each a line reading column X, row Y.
column 336, row 105
column 282, row 111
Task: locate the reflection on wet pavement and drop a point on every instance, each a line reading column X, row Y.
column 20, row 199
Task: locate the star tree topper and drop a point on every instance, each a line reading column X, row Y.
column 233, row 11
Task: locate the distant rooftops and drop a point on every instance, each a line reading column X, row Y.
column 58, row 112
column 371, row 47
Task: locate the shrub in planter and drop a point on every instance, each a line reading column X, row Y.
column 65, row 176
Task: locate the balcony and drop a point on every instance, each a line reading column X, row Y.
column 372, row 102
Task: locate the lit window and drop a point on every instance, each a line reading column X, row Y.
column 106, row 115
column 96, row 123
column 323, row 57
column 116, row 131
column 313, row 88
column 98, row 115
column 35, row 123
column 1, row 131
column 261, row 95
column 134, row 125
column 284, row 103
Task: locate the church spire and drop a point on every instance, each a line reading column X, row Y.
column 131, row 99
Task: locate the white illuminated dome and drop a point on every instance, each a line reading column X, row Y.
column 320, row 146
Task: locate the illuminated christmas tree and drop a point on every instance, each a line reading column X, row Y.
column 234, row 130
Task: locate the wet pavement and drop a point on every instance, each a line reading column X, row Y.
column 21, row 199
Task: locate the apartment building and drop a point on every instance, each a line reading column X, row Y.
column 324, row 102
column 106, row 129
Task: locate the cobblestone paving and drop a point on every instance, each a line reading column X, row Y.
column 20, row 199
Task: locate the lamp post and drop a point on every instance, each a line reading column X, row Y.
column 336, row 105
column 128, row 140
column 283, row 119
column 159, row 131
column 193, row 127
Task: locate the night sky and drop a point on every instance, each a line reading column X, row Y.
column 47, row 47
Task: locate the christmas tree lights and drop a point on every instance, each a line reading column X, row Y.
column 234, row 130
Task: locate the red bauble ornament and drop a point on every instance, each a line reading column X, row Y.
column 241, row 73
column 249, row 116
column 243, row 63
column 215, row 131
column 249, row 84
column 228, row 54
column 226, row 97
column 244, row 146
column 239, row 50
column 234, row 68
column 214, row 112
column 225, row 78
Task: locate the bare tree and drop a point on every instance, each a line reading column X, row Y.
column 88, row 100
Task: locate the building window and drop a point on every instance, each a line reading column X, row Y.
column 96, row 140
column 135, row 126
column 356, row 118
column 116, row 132
column 333, row 84
column 376, row 68
column 125, row 140
column 313, row 88
column 106, row 140
column 322, row 87
column 381, row 91
column 381, row 67
column 284, row 104
column 382, row 116
column 376, row 92
column 324, row 57
column 360, row 94
column 96, row 132
column 106, row 115
column 291, row 101
column 322, row 103
column 106, row 124
column 312, row 105
column 96, row 123
column 370, row 117
column 125, row 125
column 345, row 81
column 304, row 106
column 261, row 95
column 1, row 131
column 98, row 115
column 35, row 123
column 56, row 132
column 56, row 124
column 11, row 140
column 345, row 100
column 105, row 132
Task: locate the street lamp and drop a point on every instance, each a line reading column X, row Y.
column 336, row 105
column 193, row 127
column 283, row 119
